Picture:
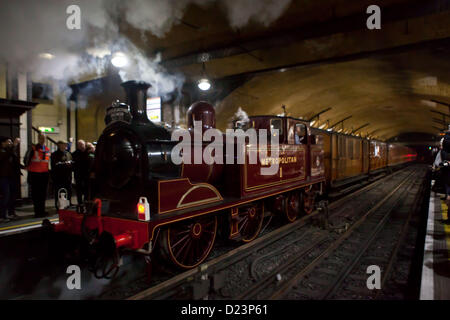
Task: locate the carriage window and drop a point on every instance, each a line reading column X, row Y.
column 350, row 148
column 357, row 150
column 276, row 124
column 341, row 147
column 376, row 152
column 319, row 139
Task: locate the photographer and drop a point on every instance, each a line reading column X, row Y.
column 9, row 176
column 61, row 162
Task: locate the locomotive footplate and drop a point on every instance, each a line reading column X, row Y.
column 126, row 233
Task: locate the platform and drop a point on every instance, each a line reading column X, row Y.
column 435, row 284
column 27, row 221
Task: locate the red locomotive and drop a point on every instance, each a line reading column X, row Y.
column 142, row 199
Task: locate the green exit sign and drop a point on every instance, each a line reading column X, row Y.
column 49, row 129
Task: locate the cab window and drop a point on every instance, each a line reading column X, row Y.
column 297, row 133
column 276, row 124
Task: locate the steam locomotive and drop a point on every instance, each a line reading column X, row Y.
column 144, row 201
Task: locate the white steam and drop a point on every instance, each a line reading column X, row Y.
column 240, row 119
column 241, row 12
column 30, row 28
column 158, row 16
column 149, row 70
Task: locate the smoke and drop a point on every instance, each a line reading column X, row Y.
column 36, row 40
column 241, row 12
column 149, row 70
column 158, row 16
column 240, row 119
column 30, row 28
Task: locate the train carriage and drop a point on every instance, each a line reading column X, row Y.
column 399, row 154
column 348, row 159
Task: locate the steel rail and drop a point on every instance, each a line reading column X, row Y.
column 289, row 284
column 400, row 242
column 369, row 241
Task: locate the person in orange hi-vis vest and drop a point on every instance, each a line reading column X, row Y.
column 37, row 162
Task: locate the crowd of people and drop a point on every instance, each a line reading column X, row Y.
column 43, row 165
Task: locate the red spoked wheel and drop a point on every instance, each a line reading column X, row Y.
column 250, row 221
column 309, row 200
column 292, row 206
column 189, row 243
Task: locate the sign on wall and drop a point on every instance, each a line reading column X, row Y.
column 49, row 129
column 154, row 109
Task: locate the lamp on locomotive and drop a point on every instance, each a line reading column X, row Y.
column 143, row 209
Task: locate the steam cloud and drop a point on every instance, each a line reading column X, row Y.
column 29, row 28
column 240, row 118
column 240, row 12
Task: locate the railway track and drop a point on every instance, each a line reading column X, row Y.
column 339, row 271
column 267, row 262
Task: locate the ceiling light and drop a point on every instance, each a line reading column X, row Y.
column 204, row 84
column 429, row 103
column 98, row 52
column 322, row 126
column 46, row 55
column 119, row 60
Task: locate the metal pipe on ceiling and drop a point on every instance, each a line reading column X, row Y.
column 341, row 121
column 363, row 126
column 318, row 114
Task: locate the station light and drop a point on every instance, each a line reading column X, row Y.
column 119, row 60
column 98, row 52
column 204, row 84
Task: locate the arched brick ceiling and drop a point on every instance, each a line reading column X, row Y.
column 388, row 93
column 206, row 27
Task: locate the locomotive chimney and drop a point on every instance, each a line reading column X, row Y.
column 136, row 98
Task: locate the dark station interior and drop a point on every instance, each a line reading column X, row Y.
column 245, row 152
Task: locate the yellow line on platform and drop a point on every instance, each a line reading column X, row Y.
column 446, row 226
column 25, row 224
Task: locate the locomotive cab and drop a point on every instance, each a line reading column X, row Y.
column 289, row 130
